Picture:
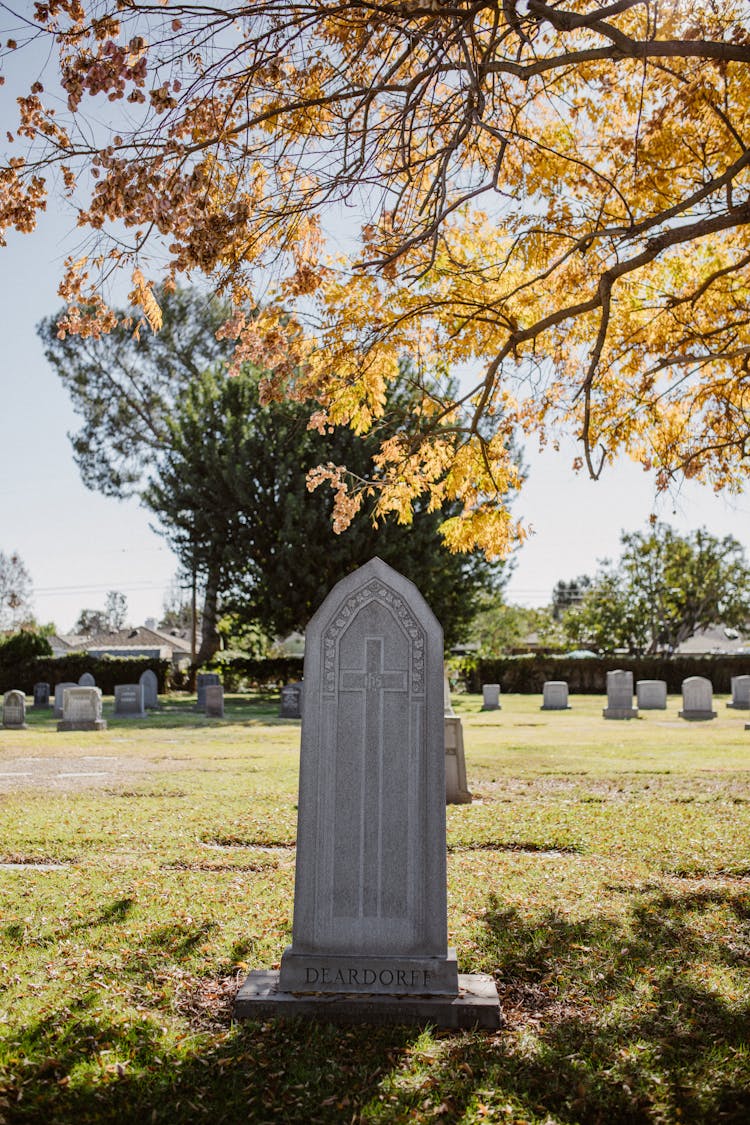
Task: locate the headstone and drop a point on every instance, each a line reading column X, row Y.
column 448, row 711
column 369, row 940
column 456, row 785
column 214, row 701
column 490, row 697
column 41, row 696
column 150, row 685
column 59, row 689
column 651, row 695
column 555, row 696
column 87, row 680
column 129, row 701
column 740, row 693
column 82, row 709
column 14, row 710
column 290, row 704
column 697, row 699
column 202, row 680
column 620, row 696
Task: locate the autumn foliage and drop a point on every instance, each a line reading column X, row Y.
column 551, row 197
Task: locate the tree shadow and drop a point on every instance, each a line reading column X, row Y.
column 625, row 1020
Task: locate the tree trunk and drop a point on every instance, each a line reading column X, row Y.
column 210, row 640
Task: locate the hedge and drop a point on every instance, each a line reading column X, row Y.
column 240, row 673
column 588, row 675
column 106, row 670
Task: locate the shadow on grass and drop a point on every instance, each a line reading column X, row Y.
column 632, row 1020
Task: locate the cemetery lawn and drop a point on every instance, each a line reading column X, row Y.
column 602, row 876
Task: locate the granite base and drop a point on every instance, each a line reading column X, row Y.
column 620, row 712
column 73, row 724
column 697, row 716
column 477, row 1004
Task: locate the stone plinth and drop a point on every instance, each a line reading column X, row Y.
column 369, row 938
column 697, row 699
column 555, row 696
column 474, row 1005
column 620, row 696
column 651, row 695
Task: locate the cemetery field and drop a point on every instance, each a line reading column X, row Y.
column 602, row 876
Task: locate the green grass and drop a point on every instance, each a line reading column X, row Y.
column 602, row 876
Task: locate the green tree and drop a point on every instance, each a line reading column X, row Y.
column 499, row 627
column 230, row 491
column 663, row 589
column 567, row 595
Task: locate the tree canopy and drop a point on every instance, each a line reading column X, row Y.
column 555, row 193
column 663, row 588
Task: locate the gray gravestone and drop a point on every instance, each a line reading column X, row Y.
column 740, row 693
column 202, row 681
column 59, row 689
column 620, row 696
column 490, row 697
column 369, row 941
column 555, row 696
column 651, row 695
column 14, row 710
column 697, row 699
column 87, row 680
column 82, row 709
column 129, row 701
column 214, row 701
column 290, row 704
column 150, row 685
column 41, row 696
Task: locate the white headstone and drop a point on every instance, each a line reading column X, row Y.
column 14, row 710
column 59, row 689
column 697, row 699
column 651, row 695
column 555, row 696
column 82, row 709
column 740, row 693
column 214, row 701
column 490, row 697
column 150, row 685
column 620, row 696
column 87, row 680
column 129, row 701
column 370, row 934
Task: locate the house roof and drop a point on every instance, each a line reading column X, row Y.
column 715, row 639
column 123, row 639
